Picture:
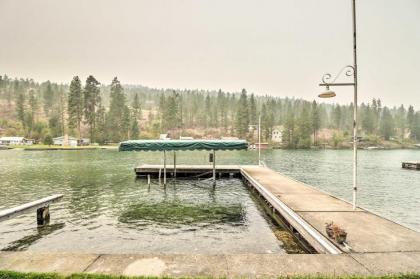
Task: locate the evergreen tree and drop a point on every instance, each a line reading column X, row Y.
column 116, row 129
column 207, row 112
column 304, row 129
column 336, row 117
column 91, row 100
column 136, row 107
column 125, row 124
column 30, row 116
column 48, row 98
column 387, row 124
column 288, row 135
column 411, row 120
column 242, row 116
column 368, row 119
column 416, row 127
column 316, row 120
column 75, row 105
column 134, row 132
column 252, row 110
column 20, row 108
column 100, row 120
column 400, row 120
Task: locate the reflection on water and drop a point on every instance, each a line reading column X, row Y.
column 25, row 242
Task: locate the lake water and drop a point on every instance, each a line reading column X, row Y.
column 106, row 210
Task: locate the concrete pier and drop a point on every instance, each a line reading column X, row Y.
column 375, row 245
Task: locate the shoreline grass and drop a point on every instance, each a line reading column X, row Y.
column 5, row 274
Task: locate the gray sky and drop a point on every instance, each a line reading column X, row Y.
column 278, row 47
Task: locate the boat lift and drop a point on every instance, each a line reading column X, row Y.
column 183, row 145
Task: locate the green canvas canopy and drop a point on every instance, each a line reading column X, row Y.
column 175, row 145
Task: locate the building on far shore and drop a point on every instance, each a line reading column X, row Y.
column 65, row 141
column 83, row 141
column 15, row 141
column 276, row 135
column 264, row 145
column 70, row 141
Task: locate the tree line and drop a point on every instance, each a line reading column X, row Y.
column 112, row 113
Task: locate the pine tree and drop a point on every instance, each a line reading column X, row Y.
column 48, row 95
column 125, row 124
column 242, row 115
column 115, row 127
column 207, row 111
column 20, row 108
column 336, row 117
column 252, row 110
column 136, row 107
column 304, row 129
column 316, row 120
column 91, row 100
column 411, row 120
column 387, row 124
column 134, row 131
column 75, row 105
column 288, row 135
column 30, row 116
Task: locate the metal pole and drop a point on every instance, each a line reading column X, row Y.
column 259, row 140
column 164, row 167
column 354, row 109
column 174, row 164
column 148, row 179
column 214, row 167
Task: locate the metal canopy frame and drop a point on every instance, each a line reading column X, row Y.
column 175, row 145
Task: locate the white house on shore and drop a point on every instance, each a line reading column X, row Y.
column 15, row 141
column 65, row 141
column 70, row 141
column 276, row 135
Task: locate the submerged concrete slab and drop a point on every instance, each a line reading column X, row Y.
column 45, row 262
column 390, row 263
column 251, row 265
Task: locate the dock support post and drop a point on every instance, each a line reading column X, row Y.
column 174, row 164
column 214, row 167
column 164, row 167
column 148, row 179
column 43, row 216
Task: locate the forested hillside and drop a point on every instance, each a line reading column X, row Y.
column 111, row 113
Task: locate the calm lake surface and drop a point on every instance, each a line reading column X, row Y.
column 106, row 210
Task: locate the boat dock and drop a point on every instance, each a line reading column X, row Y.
column 204, row 171
column 411, row 165
column 374, row 245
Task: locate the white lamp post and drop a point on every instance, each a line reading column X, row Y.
column 349, row 70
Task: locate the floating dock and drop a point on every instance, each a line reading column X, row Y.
column 204, row 171
column 411, row 165
column 374, row 246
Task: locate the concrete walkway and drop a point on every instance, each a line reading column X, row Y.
column 378, row 246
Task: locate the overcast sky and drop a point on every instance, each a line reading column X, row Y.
column 279, row 47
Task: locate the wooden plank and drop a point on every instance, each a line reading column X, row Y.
column 21, row 209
